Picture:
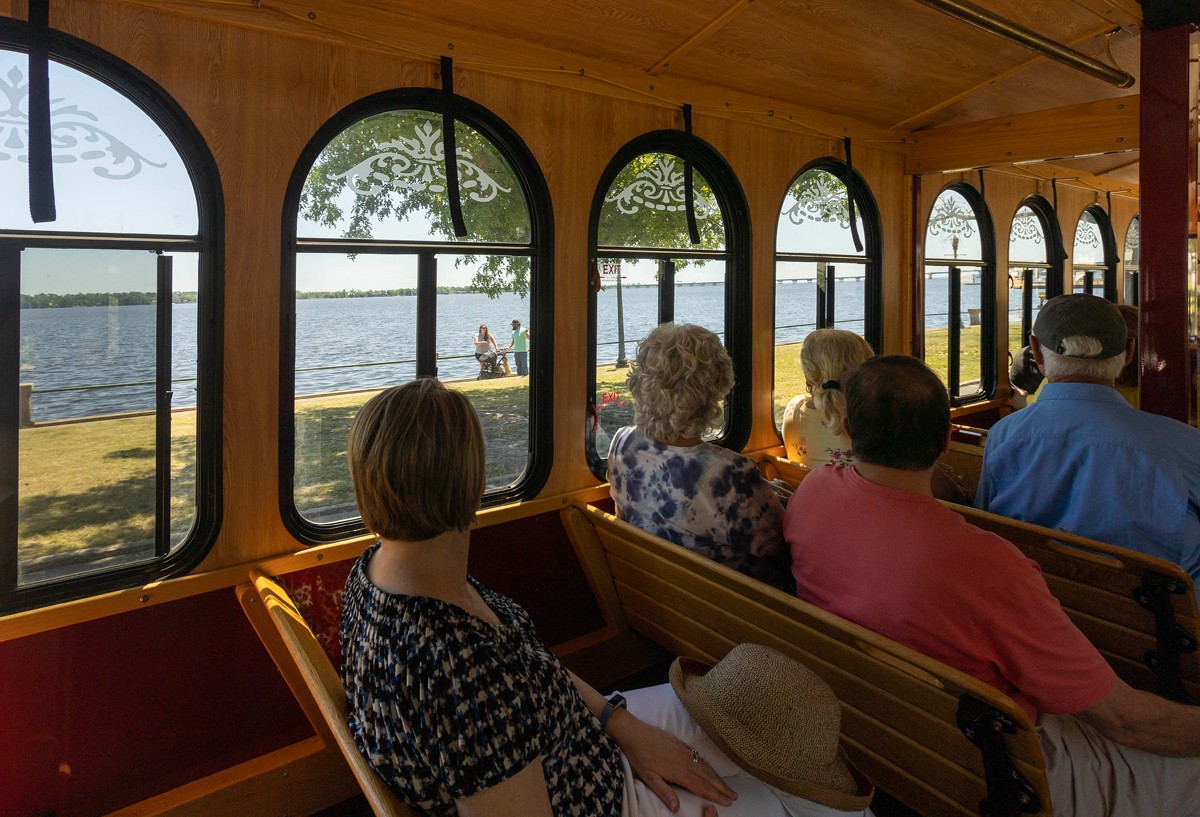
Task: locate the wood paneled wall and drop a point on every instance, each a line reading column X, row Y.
column 1004, row 190
column 258, row 97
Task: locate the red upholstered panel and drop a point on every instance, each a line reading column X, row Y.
column 99, row 715
column 530, row 560
column 317, row 592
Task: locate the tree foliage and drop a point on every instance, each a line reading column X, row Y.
column 644, row 207
column 390, row 168
column 52, row 300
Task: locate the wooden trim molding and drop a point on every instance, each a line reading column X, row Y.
column 303, row 778
column 31, row 622
column 1109, row 125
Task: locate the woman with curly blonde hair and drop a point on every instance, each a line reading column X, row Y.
column 813, row 430
column 666, row 480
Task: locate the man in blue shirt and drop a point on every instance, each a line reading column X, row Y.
column 1081, row 459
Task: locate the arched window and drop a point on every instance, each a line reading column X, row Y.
column 647, row 271
column 822, row 278
column 960, row 302
column 1034, row 267
column 378, row 290
column 1094, row 266
column 110, row 409
column 1133, row 260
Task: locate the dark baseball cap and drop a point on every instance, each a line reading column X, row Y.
column 1081, row 314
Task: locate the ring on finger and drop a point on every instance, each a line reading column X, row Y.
column 695, row 755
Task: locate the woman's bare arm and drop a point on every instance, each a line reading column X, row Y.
column 522, row 795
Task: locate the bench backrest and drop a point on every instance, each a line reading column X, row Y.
column 310, row 675
column 900, row 709
column 1138, row 610
column 965, row 461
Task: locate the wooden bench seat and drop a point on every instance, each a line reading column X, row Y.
column 311, row 677
column 1138, row 610
column 935, row 738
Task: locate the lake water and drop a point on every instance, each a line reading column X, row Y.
column 100, row 360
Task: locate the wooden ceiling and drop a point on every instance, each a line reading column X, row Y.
column 893, row 72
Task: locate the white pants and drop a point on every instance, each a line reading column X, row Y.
column 660, row 706
column 1090, row 776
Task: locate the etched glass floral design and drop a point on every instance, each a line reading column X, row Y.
column 115, row 171
column 384, row 177
column 815, row 217
column 646, row 207
column 1133, row 242
column 952, row 232
column 1027, row 238
column 1089, row 249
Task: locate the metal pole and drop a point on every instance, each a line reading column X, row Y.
column 1166, row 133
column 1026, row 305
column 162, row 407
column 621, row 361
column 982, row 18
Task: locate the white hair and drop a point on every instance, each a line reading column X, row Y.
column 1075, row 362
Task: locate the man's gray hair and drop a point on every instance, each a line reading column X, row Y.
column 1074, row 363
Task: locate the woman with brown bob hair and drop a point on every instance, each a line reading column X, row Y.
column 452, row 698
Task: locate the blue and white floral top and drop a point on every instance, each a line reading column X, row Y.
column 445, row 705
column 704, row 497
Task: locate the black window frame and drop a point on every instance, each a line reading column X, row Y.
column 1055, row 257
column 1132, row 271
column 735, row 214
column 988, row 344
column 872, row 257
column 541, row 293
column 208, row 243
column 1108, row 244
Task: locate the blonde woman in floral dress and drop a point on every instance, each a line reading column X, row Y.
column 813, row 430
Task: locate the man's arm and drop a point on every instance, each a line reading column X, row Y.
column 1143, row 720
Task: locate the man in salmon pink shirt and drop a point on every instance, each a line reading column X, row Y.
column 871, row 544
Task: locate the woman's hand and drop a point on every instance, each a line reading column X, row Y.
column 661, row 759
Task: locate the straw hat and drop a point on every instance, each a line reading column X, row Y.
column 777, row 720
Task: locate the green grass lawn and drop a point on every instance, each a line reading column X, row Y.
column 91, row 484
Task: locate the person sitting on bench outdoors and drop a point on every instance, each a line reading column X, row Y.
column 871, row 544
column 463, row 711
column 485, row 345
column 666, row 480
column 1081, row 458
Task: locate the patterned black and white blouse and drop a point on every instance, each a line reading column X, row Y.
column 445, row 705
column 707, row 498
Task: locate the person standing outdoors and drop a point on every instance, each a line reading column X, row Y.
column 520, row 347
